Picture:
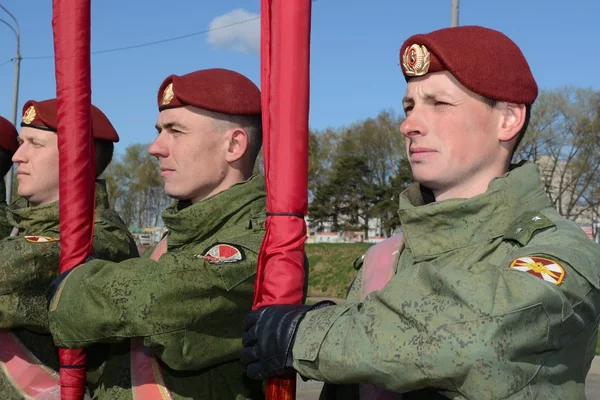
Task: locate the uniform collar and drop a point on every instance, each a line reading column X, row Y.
column 438, row 227
column 36, row 220
column 194, row 223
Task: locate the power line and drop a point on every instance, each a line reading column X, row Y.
column 135, row 46
column 157, row 41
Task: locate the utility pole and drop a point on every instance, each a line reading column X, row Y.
column 16, row 31
column 454, row 18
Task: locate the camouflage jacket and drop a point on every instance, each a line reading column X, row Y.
column 5, row 227
column 187, row 306
column 494, row 297
column 30, row 262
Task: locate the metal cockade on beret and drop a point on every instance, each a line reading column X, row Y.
column 168, row 94
column 29, row 115
column 416, row 60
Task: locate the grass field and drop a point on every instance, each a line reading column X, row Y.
column 331, row 267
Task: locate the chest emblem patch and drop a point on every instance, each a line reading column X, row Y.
column 544, row 268
column 41, row 239
column 223, row 253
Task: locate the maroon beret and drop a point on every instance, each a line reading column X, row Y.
column 43, row 115
column 8, row 136
column 485, row 61
column 219, row 90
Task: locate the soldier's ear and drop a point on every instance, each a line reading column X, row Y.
column 238, row 144
column 511, row 121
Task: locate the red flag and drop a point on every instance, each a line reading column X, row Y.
column 71, row 27
column 285, row 58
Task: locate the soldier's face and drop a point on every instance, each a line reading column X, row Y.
column 451, row 137
column 37, row 170
column 191, row 154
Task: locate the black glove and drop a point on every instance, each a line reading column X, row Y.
column 269, row 339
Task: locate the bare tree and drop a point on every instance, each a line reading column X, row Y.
column 563, row 141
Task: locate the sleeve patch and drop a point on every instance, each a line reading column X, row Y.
column 540, row 267
column 41, row 239
column 223, row 253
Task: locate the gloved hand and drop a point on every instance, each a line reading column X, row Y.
column 269, row 338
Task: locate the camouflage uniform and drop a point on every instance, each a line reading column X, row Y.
column 9, row 143
column 28, row 267
column 5, row 227
column 466, row 315
column 187, row 306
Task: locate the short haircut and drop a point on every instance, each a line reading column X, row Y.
column 252, row 124
column 5, row 161
column 104, row 154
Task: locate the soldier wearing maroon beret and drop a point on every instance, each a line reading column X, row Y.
column 38, row 179
column 173, row 318
column 488, row 293
column 8, row 138
column 8, row 146
column 30, row 255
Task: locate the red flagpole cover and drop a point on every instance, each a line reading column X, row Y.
column 285, row 41
column 285, row 59
column 71, row 27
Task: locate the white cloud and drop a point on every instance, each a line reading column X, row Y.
column 243, row 37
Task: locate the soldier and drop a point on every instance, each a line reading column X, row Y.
column 8, row 146
column 178, row 312
column 491, row 294
column 30, row 256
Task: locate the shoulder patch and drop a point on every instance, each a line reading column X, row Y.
column 223, row 253
column 541, row 267
column 526, row 226
column 41, row 239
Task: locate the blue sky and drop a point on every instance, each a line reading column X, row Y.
column 354, row 50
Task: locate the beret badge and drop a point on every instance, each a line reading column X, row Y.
column 416, row 60
column 29, row 115
column 168, row 94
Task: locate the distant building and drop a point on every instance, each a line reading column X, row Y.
column 561, row 186
column 147, row 236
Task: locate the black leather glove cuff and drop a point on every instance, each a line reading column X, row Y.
column 269, row 339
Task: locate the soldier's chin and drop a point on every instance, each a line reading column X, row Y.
column 31, row 198
column 24, row 193
column 175, row 194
